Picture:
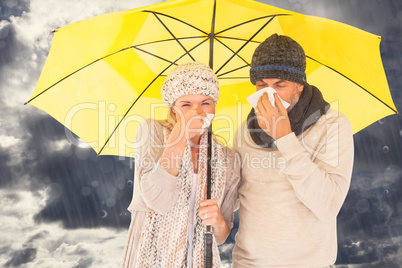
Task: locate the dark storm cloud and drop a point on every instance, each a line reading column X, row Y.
column 374, row 213
column 371, row 254
column 43, row 127
column 84, row 263
column 390, row 18
column 89, row 191
column 379, row 145
column 12, row 197
column 370, row 221
column 83, row 190
column 22, row 257
column 7, row 44
column 10, row 8
column 39, row 236
column 227, row 248
column 5, row 170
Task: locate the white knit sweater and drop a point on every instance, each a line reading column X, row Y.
column 290, row 196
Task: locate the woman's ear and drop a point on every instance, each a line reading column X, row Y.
column 173, row 113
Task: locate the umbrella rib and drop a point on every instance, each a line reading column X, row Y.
column 67, row 76
column 175, row 38
column 235, row 53
column 392, row 109
column 132, row 105
column 152, row 54
column 245, row 22
column 166, row 40
column 248, row 41
column 188, row 24
column 219, row 76
column 174, row 62
column 240, row 39
column 239, row 77
column 211, row 38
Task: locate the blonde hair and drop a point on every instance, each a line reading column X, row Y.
column 170, row 120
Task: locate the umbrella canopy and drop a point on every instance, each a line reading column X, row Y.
column 103, row 75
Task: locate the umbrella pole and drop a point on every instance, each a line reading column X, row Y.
column 208, row 233
column 208, row 256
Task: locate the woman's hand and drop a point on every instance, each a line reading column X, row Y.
column 190, row 124
column 187, row 127
column 211, row 215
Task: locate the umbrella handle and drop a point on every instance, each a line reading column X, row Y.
column 208, row 248
column 209, row 169
column 208, row 233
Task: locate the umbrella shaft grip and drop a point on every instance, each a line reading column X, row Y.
column 208, row 249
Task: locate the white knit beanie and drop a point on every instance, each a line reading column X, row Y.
column 190, row 78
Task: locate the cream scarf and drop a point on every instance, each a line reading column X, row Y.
column 163, row 241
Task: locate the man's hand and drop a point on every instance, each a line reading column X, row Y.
column 274, row 122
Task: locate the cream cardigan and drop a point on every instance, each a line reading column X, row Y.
column 157, row 190
column 290, row 196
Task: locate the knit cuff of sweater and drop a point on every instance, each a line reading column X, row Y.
column 163, row 179
column 159, row 189
column 289, row 146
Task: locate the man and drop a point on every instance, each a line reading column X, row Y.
column 296, row 166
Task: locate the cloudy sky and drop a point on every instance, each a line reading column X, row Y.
column 61, row 206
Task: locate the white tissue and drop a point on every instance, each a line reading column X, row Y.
column 207, row 121
column 253, row 98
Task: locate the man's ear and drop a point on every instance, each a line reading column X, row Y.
column 300, row 88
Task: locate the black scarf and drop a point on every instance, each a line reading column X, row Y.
column 310, row 107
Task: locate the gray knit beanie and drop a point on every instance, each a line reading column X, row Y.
column 190, row 78
column 278, row 57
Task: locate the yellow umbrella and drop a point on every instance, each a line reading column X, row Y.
column 103, row 75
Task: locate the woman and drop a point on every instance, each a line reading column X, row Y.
column 169, row 210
